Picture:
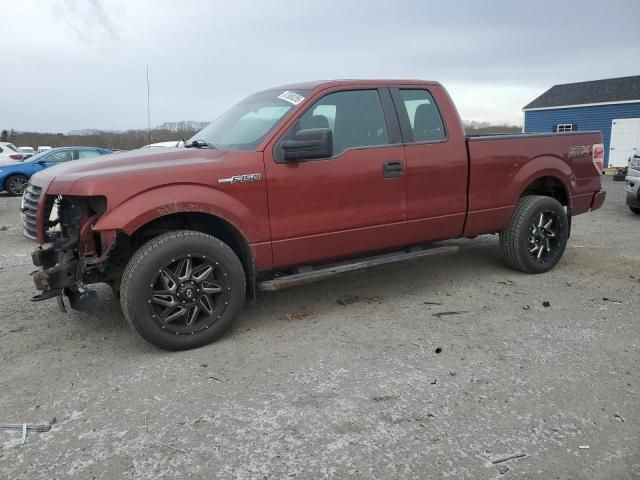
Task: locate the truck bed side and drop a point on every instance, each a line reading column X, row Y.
column 503, row 167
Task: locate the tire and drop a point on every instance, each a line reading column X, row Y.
column 635, row 210
column 529, row 247
column 167, row 276
column 16, row 184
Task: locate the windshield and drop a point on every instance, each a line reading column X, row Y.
column 247, row 123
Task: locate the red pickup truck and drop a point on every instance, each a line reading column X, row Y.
column 294, row 184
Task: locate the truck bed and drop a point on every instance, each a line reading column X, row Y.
column 500, row 166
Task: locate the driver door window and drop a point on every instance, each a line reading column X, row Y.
column 355, row 117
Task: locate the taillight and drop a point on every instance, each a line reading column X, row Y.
column 15, row 157
column 598, row 156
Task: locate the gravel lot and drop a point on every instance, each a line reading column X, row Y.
column 358, row 377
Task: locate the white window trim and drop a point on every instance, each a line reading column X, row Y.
column 564, row 127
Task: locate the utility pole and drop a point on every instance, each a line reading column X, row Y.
column 148, row 108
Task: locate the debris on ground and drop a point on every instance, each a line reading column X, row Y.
column 546, row 304
column 432, row 303
column 384, row 398
column 506, row 282
column 502, row 469
column 506, row 458
column 583, row 447
column 619, row 417
column 444, row 314
column 296, row 315
column 25, row 428
column 4, row 227
column 439, row 350
column 526, row 307
column 351, row 299
column 607, row 299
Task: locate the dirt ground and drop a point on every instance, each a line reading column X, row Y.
column 428, row 369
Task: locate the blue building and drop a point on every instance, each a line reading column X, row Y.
column 611, row 106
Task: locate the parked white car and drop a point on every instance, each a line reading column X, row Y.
column 9, row 153
column 27, row 152
column 42, row 148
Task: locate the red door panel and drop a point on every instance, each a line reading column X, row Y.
column 331, row 208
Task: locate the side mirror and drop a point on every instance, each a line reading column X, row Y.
column 308, row 144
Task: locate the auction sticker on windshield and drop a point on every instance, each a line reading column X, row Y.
column 291, row 97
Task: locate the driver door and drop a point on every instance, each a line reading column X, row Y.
column 350, row 203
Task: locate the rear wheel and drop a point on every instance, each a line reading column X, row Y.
column 536, row 236
column 182, row 290
column 635, row 210
column 16, row 184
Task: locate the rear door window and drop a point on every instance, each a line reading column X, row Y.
column 422, row 114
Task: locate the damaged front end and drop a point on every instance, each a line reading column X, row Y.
column 73, row 255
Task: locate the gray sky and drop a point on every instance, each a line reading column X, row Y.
column 78, row 64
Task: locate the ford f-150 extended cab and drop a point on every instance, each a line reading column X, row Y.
column 293, row 184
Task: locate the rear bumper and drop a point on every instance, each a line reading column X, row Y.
column 598, row 200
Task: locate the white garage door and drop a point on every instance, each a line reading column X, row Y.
column 625, row 140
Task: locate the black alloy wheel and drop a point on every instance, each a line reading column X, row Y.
column 536, row 235
column 182, row 289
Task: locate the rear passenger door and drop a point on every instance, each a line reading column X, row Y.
column 352, row 202
column 437, row 165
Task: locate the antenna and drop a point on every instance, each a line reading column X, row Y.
column 148, row 108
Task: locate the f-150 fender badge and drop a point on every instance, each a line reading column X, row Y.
column 249, row 177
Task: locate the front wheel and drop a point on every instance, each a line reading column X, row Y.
column 536, row 236
column 16, row 184
column 182, row 290
column 635, row 210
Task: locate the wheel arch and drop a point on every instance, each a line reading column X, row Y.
column 201, row 222
column 548, row 186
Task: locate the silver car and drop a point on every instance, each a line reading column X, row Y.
column 632, row 184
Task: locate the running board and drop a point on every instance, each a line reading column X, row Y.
column 326, row 272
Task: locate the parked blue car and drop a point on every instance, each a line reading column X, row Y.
column 14, row 177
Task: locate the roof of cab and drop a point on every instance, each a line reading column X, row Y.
column 321, row 84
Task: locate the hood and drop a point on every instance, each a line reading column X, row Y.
column 139, row 163
column 133, row 161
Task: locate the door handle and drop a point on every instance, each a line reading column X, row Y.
column 392, row 169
